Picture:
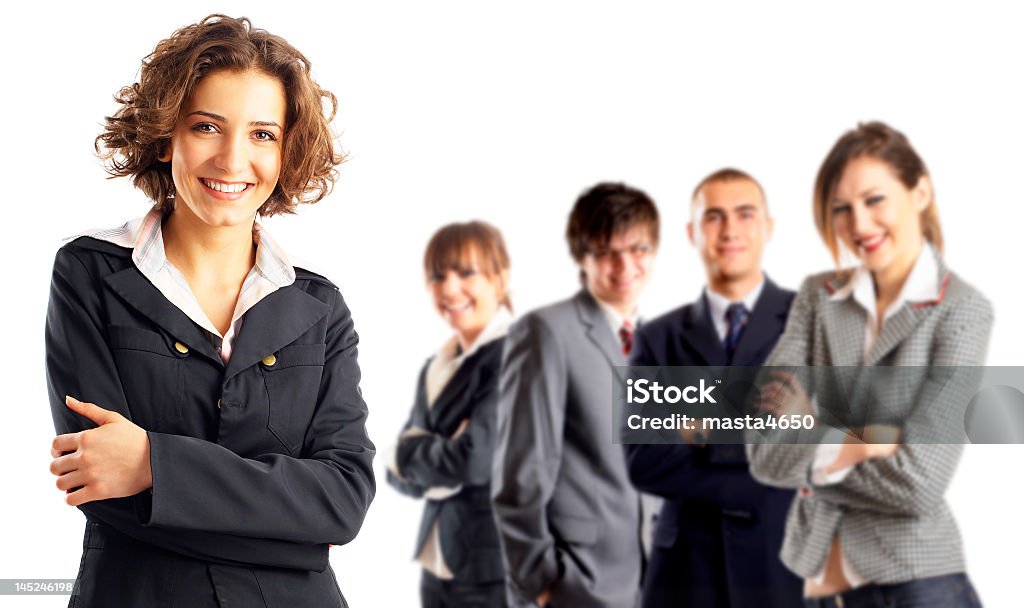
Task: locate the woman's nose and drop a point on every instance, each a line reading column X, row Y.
column 862, row 221
column 450, row 284
column 232, row 158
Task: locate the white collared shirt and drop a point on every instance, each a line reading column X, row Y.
column 922, row 285
column 144, row 236
column 717, row 303
column 615, row 319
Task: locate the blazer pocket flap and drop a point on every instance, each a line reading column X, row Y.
column 296, row 355
column 572, row 529
column 124, row 337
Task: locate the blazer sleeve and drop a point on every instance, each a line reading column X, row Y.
column 402, row 484
column 433, row 460
column 79, row 363
column 320, row 497
column 788, row 465
column 528, row 453
column 914, row 480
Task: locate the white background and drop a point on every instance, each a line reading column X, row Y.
column 454, row 111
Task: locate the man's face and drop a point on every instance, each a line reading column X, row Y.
column 617, row 272
column 730, row 227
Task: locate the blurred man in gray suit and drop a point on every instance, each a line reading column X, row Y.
column 569, row 519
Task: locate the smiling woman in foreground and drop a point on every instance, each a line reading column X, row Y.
column 205, row 389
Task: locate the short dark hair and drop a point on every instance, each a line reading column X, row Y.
column 882, row 142
column 134, row 137
column 605, row 210
column 728, row 174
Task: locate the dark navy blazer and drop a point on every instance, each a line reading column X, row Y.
column 719, row 532
column 258, row 465
column 468, row 531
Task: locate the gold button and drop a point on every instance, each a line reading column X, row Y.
column 270, row 360
column 218, row 404
column 181, row 348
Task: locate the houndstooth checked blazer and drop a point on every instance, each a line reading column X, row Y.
column 890, row 514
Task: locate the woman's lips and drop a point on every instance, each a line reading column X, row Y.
column 228, row 190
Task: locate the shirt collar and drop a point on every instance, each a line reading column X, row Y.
column 922, row 285
column 145, row 237
column 496, row 328
column 719, row 303
column 616, row 320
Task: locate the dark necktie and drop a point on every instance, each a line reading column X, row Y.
column 736, row 316
column 626, row 337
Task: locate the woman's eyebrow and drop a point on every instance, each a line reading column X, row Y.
column 218, row 117
column 208, row 115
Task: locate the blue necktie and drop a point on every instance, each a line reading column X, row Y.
column 736, row 316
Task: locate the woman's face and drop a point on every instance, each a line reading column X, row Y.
column 876, row 217
column 466, row 298
column 225, row 152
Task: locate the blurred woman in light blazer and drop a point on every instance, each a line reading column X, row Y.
column 445, row 451
column 870, row 525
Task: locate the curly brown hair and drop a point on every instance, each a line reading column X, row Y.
column 139, row 131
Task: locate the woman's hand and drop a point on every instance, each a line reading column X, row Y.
column 109, row 461
column 879, row 441
column 784, row 395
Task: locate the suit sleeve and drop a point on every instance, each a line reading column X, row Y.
column 788, row 465
column 79, row 363
column 319, row 497
column 433, row 460
column 528, row 452
column 914, row 480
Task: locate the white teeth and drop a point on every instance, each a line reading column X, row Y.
column 222, row 187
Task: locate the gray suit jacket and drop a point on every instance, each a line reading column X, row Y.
column 890, row 513
column 567, row 514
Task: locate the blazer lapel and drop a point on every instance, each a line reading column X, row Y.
column 597, row 330
column 844, row 322
column 273, row 323
column 463, row 381
column 765, row 324
column 895, row 329
column 136, row 290
column 699, row 332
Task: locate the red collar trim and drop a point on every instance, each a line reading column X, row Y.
column 941, row 296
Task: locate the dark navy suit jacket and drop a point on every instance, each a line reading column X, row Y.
column 469, row 534
column 258, row 465
column 719, row 532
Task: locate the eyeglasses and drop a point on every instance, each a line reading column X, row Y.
column 637, row 251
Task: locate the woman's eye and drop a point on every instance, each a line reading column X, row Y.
column 838, row 209
column 204, row 127
column 436, row 277
column 466, row 273
column 874, row 200
column 264, row 136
